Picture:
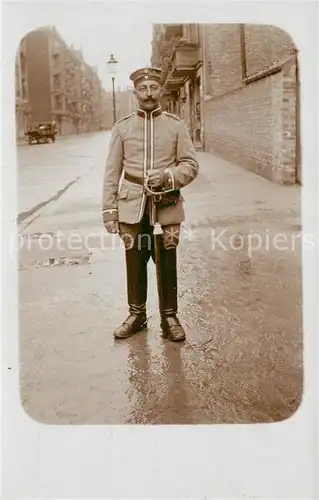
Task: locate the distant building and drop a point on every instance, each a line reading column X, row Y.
column 56, row 84
column 21, row 93
column 237, row 88
column 125, row 105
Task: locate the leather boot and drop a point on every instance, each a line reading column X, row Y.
column 170, row 323
column 136, row 275
column 134, row 323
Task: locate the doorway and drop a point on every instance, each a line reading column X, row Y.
column 198, row 122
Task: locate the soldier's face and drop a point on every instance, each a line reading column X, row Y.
column 148, row 93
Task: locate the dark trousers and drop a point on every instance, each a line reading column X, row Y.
column 139, row 245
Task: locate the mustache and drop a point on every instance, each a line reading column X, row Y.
column 150, row 99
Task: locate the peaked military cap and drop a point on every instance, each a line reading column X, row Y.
column 147, row 74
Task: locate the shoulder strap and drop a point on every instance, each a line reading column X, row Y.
column 124, row 118
column 172, row 116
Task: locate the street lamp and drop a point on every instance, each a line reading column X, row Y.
column 112, row 69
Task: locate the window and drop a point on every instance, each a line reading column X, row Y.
column 193, row 33
column 56, row 60
column 24, row 89
column 22, row 62
column 58, row 102
column 190, row 32
column 57, row 81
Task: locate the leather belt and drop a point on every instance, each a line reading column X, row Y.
column 137, row 180
column 132, row 178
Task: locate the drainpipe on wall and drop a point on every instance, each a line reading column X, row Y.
column 202, row 44
column 243, row 51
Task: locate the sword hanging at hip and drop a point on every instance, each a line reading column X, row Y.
column 155, row 196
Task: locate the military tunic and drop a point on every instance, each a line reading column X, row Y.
column 141, row 142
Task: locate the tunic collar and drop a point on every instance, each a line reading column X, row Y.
column 149, row 114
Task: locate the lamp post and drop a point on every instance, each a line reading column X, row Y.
column 112, row 69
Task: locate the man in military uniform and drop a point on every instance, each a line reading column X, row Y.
column 149, row 148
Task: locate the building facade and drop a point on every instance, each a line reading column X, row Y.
column 59, row 85
column 237, row 87
column 22, row 111
column 177, row 50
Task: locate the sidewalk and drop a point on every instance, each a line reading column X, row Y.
column 224, row 189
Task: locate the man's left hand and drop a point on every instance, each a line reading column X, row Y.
column 155, row 178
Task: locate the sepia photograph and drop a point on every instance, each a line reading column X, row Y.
column 160, row 239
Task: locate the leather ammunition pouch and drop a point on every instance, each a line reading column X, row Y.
column 168, row 199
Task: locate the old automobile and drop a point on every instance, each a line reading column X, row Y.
column 42, row 133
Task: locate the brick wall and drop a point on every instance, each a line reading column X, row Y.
column 289, row 124
column 253, row 125
column 38, row 75
column 244, row 127
column 223, row 60
column 264, row 46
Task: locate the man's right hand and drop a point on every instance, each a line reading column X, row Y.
column 112, row 226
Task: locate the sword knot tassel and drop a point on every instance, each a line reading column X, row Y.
column 157, row 229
